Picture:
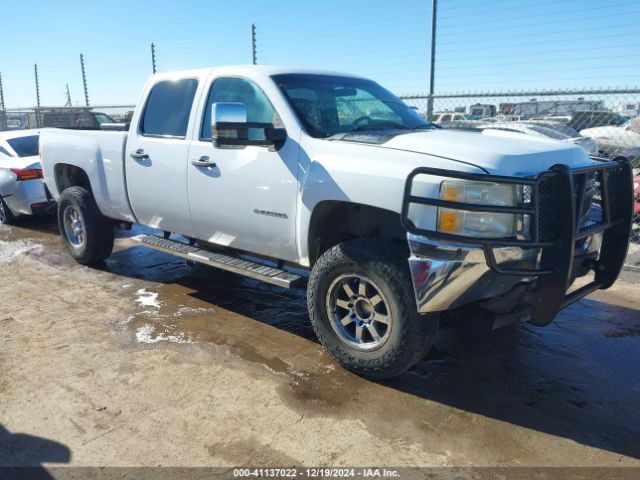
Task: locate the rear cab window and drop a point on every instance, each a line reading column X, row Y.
column 168, row 108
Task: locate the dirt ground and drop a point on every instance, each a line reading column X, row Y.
column 151, row 361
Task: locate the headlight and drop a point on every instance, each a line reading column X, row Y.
column 483, row 224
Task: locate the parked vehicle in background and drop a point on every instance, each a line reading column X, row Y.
column 561, row 127
column 480, row 110
column 589, row 145
column 22, row 191
column 259, row 169
column 629, row 108
column 538, row 108
column 15, row 122
column 71, row 118
column 623, row 141
column 593, row 118
column 453, row 119
column 636, row 195
column 500, row 118
column 76, row 118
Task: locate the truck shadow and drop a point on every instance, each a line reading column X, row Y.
column 576, row 378
column 22, row 455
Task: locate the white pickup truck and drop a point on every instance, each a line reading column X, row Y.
column 265, row 171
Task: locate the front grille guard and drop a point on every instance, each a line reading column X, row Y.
column 556, row 210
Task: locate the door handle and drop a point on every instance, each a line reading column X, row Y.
column 203, row 162
column 139, row 154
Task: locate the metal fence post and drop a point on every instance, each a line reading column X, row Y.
column 153, row 57
column 3, row 113
column 84, row 80
column 432, row 66
column 35, row 71
column 254, row 46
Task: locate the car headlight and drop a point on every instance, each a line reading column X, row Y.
column 483, row 224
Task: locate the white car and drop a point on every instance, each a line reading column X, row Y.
column 452, row 118
column 623, row 141
column 22, row 191
column 588, row 144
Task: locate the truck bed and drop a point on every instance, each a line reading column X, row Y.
column 101, row 155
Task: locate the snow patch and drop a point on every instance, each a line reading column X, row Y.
column 144, row 334
column 147, row 299
column 10, row 250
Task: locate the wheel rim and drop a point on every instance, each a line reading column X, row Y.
column 359, row 312
column 74, row 227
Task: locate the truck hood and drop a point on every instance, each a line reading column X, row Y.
column 523, row 155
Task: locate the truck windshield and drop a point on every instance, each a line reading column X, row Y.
column 327, row 105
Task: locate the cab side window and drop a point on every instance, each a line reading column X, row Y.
column 168, row 108
column 259, row 108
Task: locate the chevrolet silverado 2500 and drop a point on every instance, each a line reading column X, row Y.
column 263, row 171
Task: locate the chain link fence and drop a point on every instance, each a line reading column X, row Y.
column 603, row 122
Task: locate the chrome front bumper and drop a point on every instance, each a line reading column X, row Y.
column 447, row 276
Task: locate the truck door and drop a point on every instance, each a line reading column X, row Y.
column 248, row 199
column 156, row 157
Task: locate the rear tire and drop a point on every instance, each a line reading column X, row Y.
column 362, row 308
column 88, row 235
column 6, row 217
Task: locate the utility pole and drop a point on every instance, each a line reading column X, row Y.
column 254, row 49
column 432, row 72
column 84, row 81
column 68, row 102
column 153, row 57
column 35, row 71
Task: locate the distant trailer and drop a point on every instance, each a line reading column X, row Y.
column 630, row 108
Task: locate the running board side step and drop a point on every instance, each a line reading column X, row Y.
column 267, row 274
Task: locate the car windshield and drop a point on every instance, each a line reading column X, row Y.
column 633, row 125
column 25, row 146
column 102, row 118
column 548, row 132
column 327, row 105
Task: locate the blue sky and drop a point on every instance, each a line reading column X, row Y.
column 482, row 46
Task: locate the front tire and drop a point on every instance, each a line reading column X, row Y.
column 6, row 216
column 88, row 235
column 362, row 308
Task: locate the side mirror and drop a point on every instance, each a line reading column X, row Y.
column 229, row 128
